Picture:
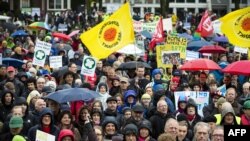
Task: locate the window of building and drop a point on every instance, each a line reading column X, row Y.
column 157, row 1
column 107, row 1
column 244, row 1
column 57, row 4
column 25, row 3
column 136, row 10
column 147, row 9
column 180, row 14
column 190, row 1
column 171, row 0
column 65, row 4
column 180, row 1
column 137, row 1
column 191, row 10
column 202, row 1
column 116, row 1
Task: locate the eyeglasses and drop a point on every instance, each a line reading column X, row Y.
column 218, row 135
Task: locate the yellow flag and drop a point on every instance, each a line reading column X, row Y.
column 236, row 26
column 110, row 35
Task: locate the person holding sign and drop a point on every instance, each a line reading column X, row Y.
column 46, row 125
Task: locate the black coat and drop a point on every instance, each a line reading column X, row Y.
column 158, row 121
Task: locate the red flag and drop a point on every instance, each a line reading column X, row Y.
column 158, row 36
column 205, row 27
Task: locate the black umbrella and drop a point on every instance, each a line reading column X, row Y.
column 10, row 26
column 133, row 65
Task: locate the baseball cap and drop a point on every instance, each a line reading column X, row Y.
column 16, row 122
column 10, row 68
column 246, row 104
column 138, row 108
column 124, row 79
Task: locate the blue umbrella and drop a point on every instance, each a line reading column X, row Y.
column 19, row 33
column 185, row 35
column 12, row 62
column 221, row 39
column 195, row 45
column 146, row 34
column 72, row 94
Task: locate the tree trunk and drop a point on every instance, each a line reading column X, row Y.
column 163, row 7
column 100, row 5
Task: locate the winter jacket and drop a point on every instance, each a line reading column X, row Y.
column 158, row 121
column 224, row 112
column 210, row 110
column 5, row 109
column 103, row 97
column 54, row 130
column 19, row 87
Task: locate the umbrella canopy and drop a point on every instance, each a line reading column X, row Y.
column 197, row 44
column 19, row 33
column 12, row 62
column 133, row 65
column 239, row 68
column 74, row 33
column 39, row 26
column 10, row 26
column 185, row 35
column 146, row 34
column 200, row 64
column 221, row 39
column 131, row 49
column 72, row 94
column 61, row 36
column 212, row 49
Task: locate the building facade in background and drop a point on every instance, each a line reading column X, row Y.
column 220, row 7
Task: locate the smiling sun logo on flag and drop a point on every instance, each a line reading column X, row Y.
column 236, row 26
column 246, row 24
column 110, row 34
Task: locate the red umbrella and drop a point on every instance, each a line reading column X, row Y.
column 240, row 67
column 200, row 64
column 61, row 36
column 212, row 49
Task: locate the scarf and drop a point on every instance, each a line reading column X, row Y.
column 46, row 129
column 141, row 138
column 190, row 117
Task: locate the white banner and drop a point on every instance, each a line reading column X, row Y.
column 43, row 45
column 88, row 66
column 191, row 55
column 240, row 49
column 201, row 99
column 55, row 61
column 43, row 136
column 111, row 7
column 42, row 49
column 216, row 25
column 62, row 27
column 167, row 24
column 131, row 49
column 137, row 26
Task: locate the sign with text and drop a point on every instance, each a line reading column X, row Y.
column 43, row 136
column 177, row 44
column 240, row 49
column 42, row 49
column 191, row 55
column 200, row 98
column 88, row 66
column 55, row 61
column 137, row 26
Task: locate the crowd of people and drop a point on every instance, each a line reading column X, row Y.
column 133, row 105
